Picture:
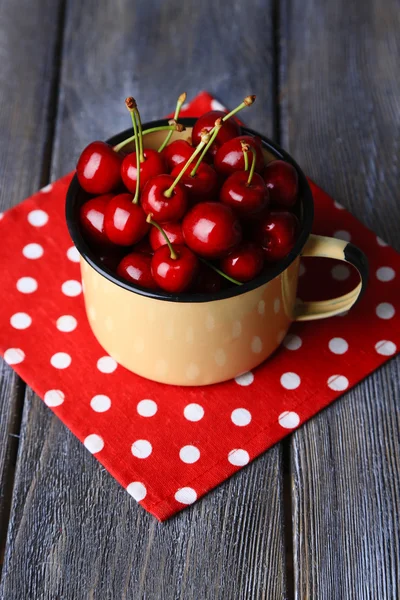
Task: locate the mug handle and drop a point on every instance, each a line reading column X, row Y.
column 326, row 247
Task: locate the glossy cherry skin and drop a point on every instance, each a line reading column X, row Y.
column 173, row 232
column 246, row 200
column 153, row 165
column 204, row 184
column 164, row 209
column 136, row 268
column 177, row 152
column 282, row 182
column 92, row 218
column 229, row 130
column 244, row 263
column 211, row 229
column 174, row 275
column 207, row 281
column 124, row 222
column 277, row 234
column 99, row 168
column 229, row 157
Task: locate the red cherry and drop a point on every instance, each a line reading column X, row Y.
column 177, row 152
column 277, row 234
column 202, row 186
column 174, row 274
column 99, row 168
column 245, row 199
column 244, row 263
column 92, row 218
column 136, row 268
column 152, row 165
column 229, row 157
column 162, row 208
column 173, row 232
column 207, row 281
column 111, row 257
column 124, row 222
column 211, row 229
column 282, row 182
column 229, row 130
column 144, row 246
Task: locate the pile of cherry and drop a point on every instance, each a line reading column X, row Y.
column 195, row 215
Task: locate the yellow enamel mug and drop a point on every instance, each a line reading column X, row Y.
column 199, row 339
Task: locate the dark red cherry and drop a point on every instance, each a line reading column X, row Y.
column 173, row 232
column 174, row 274
column 124, row 222
column 162, row 208
column 244, row 263
column 111, row 257
column 177, row 152
column 207, row 281
column 277, row 234
column 99, row 168
column 245, row 199
column 282, row 182
column 229, row 157
column 202, row 186
column 211, row 229
column 152, row 165
column 144, row 246
column 92, row 218
column 136, row 268
column 229, row 130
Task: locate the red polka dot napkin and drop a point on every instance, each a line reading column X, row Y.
column 169, row 445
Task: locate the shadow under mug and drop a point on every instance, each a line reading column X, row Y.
column 200, row 339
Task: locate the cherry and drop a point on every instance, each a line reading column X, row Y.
column 202, row 185
column 98, row 168
column 282, row 182
column 177, row 152
column 211, row 229
column 244, row 263
column 92, row 218
column 246, row 193
column 229, row 157
column 174, row 273
column 164, row 208
column 153, row 164
column 111, row 257
column 229, row 130
column 144, row 246
column 124, row 221
column 277, row 234
column 172, row 230
column 207, row 281
column 136, row 268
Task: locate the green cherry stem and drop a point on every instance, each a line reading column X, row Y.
column 177, row 127
column 149, row 219
column 205, row 138
column 181, row 100
column 214, row 268
column 139, row 124
column 245, row 148
column 248, row 101
column 215, row 130
column 253, row 164
column 130, row 105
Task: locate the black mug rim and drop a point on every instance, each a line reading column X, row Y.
column 88, row 254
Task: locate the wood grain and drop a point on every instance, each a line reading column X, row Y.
column 74, row 532
column 340, row 118
column 28, row 34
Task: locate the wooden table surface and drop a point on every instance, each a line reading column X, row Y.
column 316, row 517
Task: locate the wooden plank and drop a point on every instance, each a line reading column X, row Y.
column 27, row 47
column 87, row 537
column 340, row 106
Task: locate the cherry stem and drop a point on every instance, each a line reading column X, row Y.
column 181, row 100
column 215, row 130
column 177, row 127
column 149, row 219
column 245, row 149
column 246, row 102
column 253, row 164
column 204, row 141
column 136, row 196
column 139, row 123
column 214, row 268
